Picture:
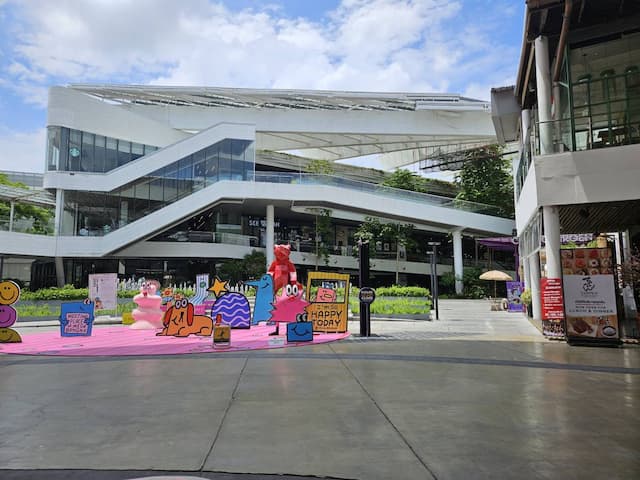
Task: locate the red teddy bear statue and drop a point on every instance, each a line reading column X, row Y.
column 281, row 269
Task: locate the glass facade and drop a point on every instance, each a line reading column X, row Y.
column 89, row 213
column 77, row 151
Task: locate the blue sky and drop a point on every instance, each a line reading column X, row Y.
column 463, row 46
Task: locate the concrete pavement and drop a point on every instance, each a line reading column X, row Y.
column 476, row 395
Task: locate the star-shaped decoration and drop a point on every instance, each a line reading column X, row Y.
column 219, row 287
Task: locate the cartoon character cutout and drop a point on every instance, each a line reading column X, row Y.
column 264, row 298
column 232, row 307
column 281, row 269
column 180, row 321
column 9, row 294
column 288, row 306
column 148, row 315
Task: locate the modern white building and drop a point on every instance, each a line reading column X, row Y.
column 170, row 181
column 575, row 110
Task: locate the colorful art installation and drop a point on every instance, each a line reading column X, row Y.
column 221, row 334
column 9, row 294
column 202, row 284
column 300, row 331
column 148, row 315
column 328, row 310
column 76, row 319
column 264, row 299
column 181, row 321
column 289, row 305
column 117, row 341
column 233, row 307
column 281, row 269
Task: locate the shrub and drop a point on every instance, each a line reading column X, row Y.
column 68, row 292
column 41, row 310
column 398, row 291
column 525, row 297
column 393, row 306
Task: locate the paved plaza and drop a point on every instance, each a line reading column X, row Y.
column 475, row 395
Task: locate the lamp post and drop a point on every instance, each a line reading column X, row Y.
column 434, row 275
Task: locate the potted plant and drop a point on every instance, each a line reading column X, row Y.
column 525, row 298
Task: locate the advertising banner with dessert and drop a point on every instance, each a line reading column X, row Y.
column 589, row 295
column 552, row 307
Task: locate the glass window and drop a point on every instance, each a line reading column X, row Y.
column 99, row 154
column 211, row 172
column 224, row 164
column 53, row 148
column 170, row 184
column 149, row 149
column 185, row 180
column 111, row 159
column 141, row 204
column 237, row 159
column 69, row 214
column 199, row 169
column 124, row 152
column 137, row 151
column 75, row 149
column 87, row 155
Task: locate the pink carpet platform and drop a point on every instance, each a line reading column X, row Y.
column 121, row 340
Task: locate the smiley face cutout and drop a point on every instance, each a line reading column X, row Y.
column 9, row 292
column 8, row 316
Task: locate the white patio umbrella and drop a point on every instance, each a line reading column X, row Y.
column 496, row 276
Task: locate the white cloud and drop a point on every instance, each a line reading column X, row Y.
column 363, row 45
column 376, row 45
column 22, row 151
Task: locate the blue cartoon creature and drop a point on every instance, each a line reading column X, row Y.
column 264, row 298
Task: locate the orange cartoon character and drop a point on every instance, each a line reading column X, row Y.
column 281, row 269
column 180, row 321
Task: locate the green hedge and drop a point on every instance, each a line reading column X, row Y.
column 398, row 291
column 69, row 292
column 393, row 306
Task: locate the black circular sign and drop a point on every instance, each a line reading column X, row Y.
column 367, row 295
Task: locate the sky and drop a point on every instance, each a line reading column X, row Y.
column 448, row 46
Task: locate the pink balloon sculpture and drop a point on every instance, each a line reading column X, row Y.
column 148, row 315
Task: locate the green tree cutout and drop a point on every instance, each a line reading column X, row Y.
column 485, row 177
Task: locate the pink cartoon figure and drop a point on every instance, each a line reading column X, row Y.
column 281, row 269
column 288, row 306
column 148, row 315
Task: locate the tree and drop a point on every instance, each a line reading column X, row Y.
column 485, row 177
column 406, row 180
column 372, row 230
column 323, row 232
column 322, row 167
column 236, row 270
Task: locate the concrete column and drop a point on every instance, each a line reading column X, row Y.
column 551, row 220
column 57, row 223
column 57, row 228
column 626, row 246
column 458, row 265
column 527, row 273
column 543, row 87
column 11, row 212
column 60, row 272
column 270, row 234
column 525, row 119
column 534, row 271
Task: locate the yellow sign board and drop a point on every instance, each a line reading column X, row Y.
column 328, row 294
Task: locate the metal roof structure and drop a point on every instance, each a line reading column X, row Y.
column 39, row 198
column 278, row 99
